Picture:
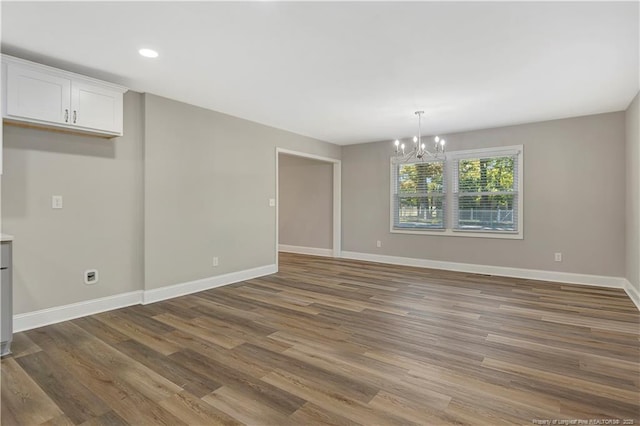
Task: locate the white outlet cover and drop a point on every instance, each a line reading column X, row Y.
column 272, row 202
column 86, row 276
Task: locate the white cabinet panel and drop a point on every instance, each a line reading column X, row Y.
column 37, row 95
column 3, row 69
column 96, row 107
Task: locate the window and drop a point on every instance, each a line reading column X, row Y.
column 486, row 194
column 475, row 193
column 419, row 196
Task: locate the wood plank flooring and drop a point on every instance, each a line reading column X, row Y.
column 331, row 341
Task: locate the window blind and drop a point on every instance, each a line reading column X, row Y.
column 418, row 191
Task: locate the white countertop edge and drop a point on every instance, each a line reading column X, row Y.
column 6, row 237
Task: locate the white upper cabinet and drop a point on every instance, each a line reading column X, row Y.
column 40, row 96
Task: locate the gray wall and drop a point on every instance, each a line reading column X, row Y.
column 633, row 193
column 100, row 225
column 147, row 210
column 573, row 197
column 208, row 179
column 305, row 200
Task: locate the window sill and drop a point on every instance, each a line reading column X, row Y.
column 460, row 233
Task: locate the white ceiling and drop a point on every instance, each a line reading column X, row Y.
column 350, row 72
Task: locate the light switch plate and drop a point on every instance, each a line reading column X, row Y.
column 272, row 202
column 56, row 201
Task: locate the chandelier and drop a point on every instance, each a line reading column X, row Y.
column 419, row 150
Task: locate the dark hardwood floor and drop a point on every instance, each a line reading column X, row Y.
column 329, row 341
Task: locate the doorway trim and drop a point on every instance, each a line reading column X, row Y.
column 337, row 197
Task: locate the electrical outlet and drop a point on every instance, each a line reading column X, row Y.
column 215, row 261
column 378, row 243
column 272, row 202
column 558, row 257
column 56, row 201
column 91, row 276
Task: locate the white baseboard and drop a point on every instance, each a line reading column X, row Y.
column 169, row 292
column 30, row 320
column 306, row 250
column 534, row 274
column 35, row 319
column 633, row 293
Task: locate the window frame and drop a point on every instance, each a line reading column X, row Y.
column 451, row 189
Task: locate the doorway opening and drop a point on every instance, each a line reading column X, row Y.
column 308, row 212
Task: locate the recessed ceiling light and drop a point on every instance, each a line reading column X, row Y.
column 148, row 53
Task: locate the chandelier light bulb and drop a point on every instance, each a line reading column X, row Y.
column 442, row 142
column 415, row 139
column 397, row 142
column 437, row 139
column 402, row 146
column 422, row 146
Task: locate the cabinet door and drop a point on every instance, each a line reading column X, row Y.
column 96, row 107
column 6, row 294
column 36, row 95
column 6, row 305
